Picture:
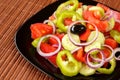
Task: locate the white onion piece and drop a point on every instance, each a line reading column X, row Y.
column 52, row 24
column 86, row 43
column 98, row 65
column 115, row 51
column 51, row 53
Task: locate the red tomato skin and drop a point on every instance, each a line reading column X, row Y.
column 52, row 41
column 40, row 29
column 85, row 35
column 46, row 48
column 67, row 21
column 60, row 35
column 111, row 42
column 117, row 26
column 52, row 59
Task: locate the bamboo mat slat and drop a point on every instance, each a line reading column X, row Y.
column 13, row 13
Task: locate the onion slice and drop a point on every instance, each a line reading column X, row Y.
column 115, row 51
column 97, row 65
column 106, row 59
column 51, row 53
column 85, row 43
column 117, row 20
column 108, row 15
column 52, row 24
column 112, row 54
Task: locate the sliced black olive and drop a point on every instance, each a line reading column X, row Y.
column 78, row 29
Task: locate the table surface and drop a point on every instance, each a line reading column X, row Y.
column 12, row 14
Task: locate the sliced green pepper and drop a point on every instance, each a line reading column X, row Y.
column 63, row 5
column 35, row 42
column 66, row 14
column 67, row 64
column 110, row 70
column 116, row 35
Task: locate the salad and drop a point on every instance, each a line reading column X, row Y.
column 79, row 39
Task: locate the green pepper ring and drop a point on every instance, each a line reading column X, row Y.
column 62, row 6
column 66, row 14
column 69, row 66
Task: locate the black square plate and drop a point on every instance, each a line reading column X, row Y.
column 23, row 43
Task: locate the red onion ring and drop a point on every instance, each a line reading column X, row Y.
column 82, row 44
column 106, row 59
column 51, row 53
column 112, row 55
column 52, row 24
column 108, row 15
column 117, row 20
column 94, row 66
column 115, row 51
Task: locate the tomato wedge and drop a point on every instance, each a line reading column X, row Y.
column 47, row 48
column 111, row 42
column 40, row 29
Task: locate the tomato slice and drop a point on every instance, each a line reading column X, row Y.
column 85, row 35
column 52, row 41
column 47, row 48
column 67, row 21
column 79, row 55
column 101, row 25
column 111, row 42
column 52, row 59
column 40, row 29
column 117, row 26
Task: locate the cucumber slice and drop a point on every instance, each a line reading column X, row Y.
column 86, row 71
column 67, row 44
column 100, row 38
column 92, row 46
column 97, row 43
column 111, row 23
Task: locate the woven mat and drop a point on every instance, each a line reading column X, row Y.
column 12, row 14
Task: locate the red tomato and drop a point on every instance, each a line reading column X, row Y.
column 85, row 35
column 79, row 55
column 111, row 42
column 40, row 29
column 117, row 26
column 67, row 21
column 52, row 59
column 86, row 14
column 60, row 35
column 52, row 41
column 101, row 25
column 45, row 47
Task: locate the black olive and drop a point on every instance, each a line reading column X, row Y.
column 78, row 29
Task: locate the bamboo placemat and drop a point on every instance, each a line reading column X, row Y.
column 12, row 14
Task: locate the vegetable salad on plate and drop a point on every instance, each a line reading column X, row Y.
column 79, row 39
